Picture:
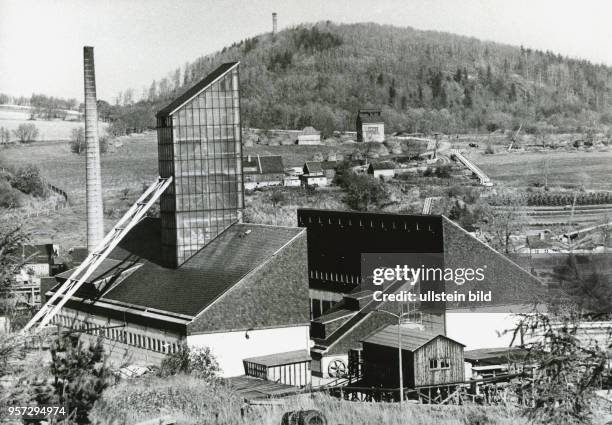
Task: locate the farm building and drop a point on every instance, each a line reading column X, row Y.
column 428, row 359
column 198, row 274
column 382, row 170
column 309, row 136
column 327, row 168
column 313, row 175
column 370, row 126
column 262, row 171
column 343, row 310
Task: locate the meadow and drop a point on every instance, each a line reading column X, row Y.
column 191, row 401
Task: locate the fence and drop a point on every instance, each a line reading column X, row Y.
column 64, row 203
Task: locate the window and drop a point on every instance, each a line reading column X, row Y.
column 442, row 363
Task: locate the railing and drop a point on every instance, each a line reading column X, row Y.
column 484, row 179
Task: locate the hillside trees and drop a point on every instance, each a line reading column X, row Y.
column 424, row 82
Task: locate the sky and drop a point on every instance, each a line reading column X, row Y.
column 138, row 41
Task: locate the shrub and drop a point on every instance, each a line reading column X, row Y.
column 9, row 198
column 78, row 144
column 80, row 375
column 29, row 181
column 199, row 362
column 26, row 133
column 77, row 140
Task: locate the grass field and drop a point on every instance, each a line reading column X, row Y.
column 519, row 169
column 48, row 130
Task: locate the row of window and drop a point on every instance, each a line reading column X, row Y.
column 335, row 277
column 116, row 334
column 366, row 223
column 439, row 363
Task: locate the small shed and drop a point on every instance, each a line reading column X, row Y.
column 384, row 170
column 428, row 359
column 326, row 168
column 290, row 368
column 309, row 136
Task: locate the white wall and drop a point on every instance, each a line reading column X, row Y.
column 480, row 330
column 230, row 348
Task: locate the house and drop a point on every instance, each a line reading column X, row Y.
column 370, row 126
column 38, row 261
column 327, row 168
column 382, row 170
column 309, row 136
column 313, row 175
column 263, row 171
column 428, row 359
column 197, row 274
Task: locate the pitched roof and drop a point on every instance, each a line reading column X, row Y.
column 412, row 339
column 384, row 165
column 41, row 253
column 310, row 131
column 313, row 166
column 199, row 281
column 271, row 164
column 279, row 359
column 196, row 89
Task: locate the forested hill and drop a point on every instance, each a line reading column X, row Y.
column 424, row 81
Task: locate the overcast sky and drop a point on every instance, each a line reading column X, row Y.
column 137, row 41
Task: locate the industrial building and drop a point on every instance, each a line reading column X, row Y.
column 197, row 274
column 370, row 126
column 343, row 310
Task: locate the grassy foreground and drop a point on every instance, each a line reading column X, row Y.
column 192, row 401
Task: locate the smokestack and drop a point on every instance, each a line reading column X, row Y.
column 95, row 223
column 274, row 23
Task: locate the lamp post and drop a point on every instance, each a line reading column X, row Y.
column 399, row 345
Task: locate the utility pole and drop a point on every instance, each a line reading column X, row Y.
column 399, row 350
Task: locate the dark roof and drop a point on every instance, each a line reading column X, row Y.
column 199, row 281
column 384, row 165
column 78, row 254
column 313, row 166
column 271, row 164
column 108, row 267
column 41, row 253
column 196, row 89
column 412, row 339
column 370, row 115
column 279, row 359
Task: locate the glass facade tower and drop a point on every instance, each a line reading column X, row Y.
column 200, row 146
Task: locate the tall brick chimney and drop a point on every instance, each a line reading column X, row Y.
column 95, row 222
column 274, row 22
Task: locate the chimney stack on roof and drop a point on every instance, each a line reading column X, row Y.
column 95, row 222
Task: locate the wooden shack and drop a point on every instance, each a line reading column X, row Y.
column 428, row 359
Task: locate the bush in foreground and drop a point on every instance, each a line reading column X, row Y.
column 26, row 133
column 198, row 362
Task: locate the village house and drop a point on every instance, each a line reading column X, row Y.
column 370, row 126
column 382, row 170
column 309, row 136
column 262, row 171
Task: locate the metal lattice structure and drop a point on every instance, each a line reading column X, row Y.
column 95, row 258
